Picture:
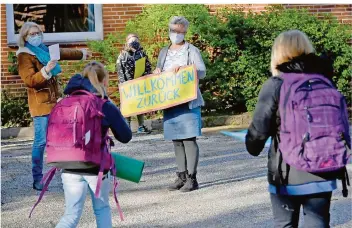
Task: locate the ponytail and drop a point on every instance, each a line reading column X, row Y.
column 96, row 74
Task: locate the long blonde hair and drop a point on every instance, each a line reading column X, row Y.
column 288, row 45
column 96, row 74
column 24, row 32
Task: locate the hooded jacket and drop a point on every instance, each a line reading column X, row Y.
column 125, row 64
column 266, row 120
column 113, row 118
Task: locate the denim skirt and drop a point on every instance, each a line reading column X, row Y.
column 180, row 122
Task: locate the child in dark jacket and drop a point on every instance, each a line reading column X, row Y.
column 292, row 52
column 127, row 69
column 77, row 183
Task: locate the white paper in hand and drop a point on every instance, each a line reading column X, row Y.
column 54, row 51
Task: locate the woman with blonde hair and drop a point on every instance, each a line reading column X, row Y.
column 77, row 182
column 291, row 186
column 39, row 74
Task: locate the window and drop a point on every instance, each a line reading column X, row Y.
column 61, row 23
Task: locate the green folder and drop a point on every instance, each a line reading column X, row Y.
column 139, row 68
column 128, row 168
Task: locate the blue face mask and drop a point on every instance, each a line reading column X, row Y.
column 35, row 40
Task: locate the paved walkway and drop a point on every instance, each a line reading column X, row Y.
column 233, row 189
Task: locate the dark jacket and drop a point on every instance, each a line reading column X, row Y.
column 125, row 64
column 113, row 118
column 266, row 121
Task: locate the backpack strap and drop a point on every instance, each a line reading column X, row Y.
column 116, row 184
column 344, row 176
column 345, row 181
column 102, row 161
column 102, row 164
column 277, row 180
column 48, row 176
column 109, row 142
column 286, row 99
column 279, row 177
column 100, row 176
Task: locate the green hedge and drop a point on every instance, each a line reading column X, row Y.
column 244, row 42
column 236, row 47
column 14, row 111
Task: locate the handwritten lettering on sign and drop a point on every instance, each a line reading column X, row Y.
column 158, row 91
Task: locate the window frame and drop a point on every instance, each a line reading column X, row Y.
column 60, row 37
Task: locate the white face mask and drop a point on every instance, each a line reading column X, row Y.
column 176, row 38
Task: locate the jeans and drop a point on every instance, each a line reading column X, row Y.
column 75, row 188
column 40, row 129
column 316, row 210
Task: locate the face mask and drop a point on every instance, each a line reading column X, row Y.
column 135, row 45
column 176, row 38
column 35, row 40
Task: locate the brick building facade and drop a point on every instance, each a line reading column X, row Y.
column 115, row 17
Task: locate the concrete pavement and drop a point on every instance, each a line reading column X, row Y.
column 233, row 189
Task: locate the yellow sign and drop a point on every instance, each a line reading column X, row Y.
column 139, row 67
column 158, row 91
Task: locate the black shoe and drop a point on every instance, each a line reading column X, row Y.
column 179, row 182
column 143, row 130
column 37, row 186
column 191, row 183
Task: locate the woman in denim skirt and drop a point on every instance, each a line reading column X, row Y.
column 182, row 123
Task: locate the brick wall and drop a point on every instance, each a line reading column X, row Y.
column 115, row 17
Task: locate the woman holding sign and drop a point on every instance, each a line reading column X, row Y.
column 133, row 63
column 182, row 123
column 38, row 71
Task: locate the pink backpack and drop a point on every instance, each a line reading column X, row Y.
column 75, row 140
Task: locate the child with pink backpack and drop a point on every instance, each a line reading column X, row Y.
column 78, row 143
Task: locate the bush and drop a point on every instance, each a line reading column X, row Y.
column 236, row 47
column 152, row 24
column 152, row 27
column 108, row 48
column 14, row 111
column 243, row 47
column 12, row 59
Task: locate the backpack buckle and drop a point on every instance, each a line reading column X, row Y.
column 306, row 137
column 342, row 135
